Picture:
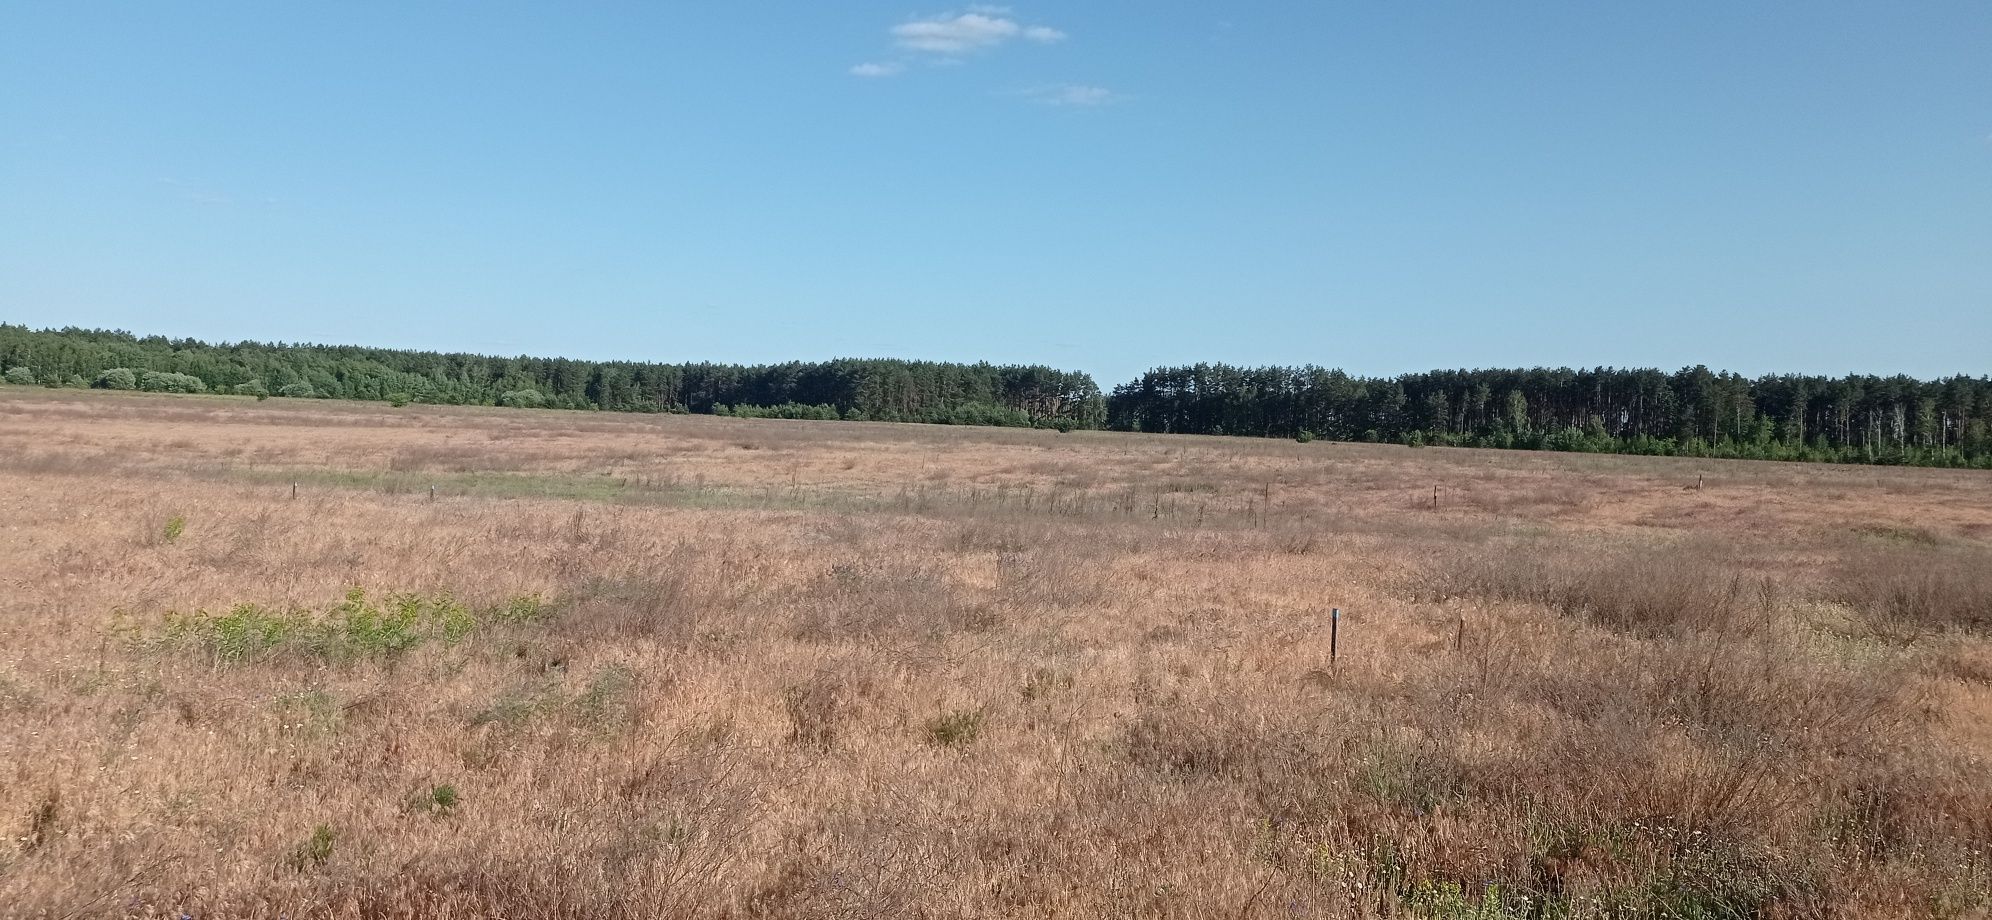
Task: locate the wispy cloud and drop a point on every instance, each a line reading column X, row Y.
column 958, row 34
column 1073, row 94
column 196, row 192
column 952, row 36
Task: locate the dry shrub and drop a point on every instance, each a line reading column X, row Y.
column 818, row 706
column 872, row 862
column 1267, row 752
column 867, row 600
column 1507, row 497
column 1658, row 590
column 451, row 458
column 667, row 605
column 1050, row 579
column 1909, row 594
column 985, row 536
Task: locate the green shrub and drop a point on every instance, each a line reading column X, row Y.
column 524, row 608
column 175, row 526
column 817, row 413
column 440, row 800
column 117, row 378
column 21, row 376
column 314, row 852
column 297, row 391
column 522, row 399
column 1304, row 436
column 357, row 627
column 168, row 382
column 252, row 388
column 1440, row 900
column 398, row 400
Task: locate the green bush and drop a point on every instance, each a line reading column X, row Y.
column 357, row 627
column 21, row 376
column 117, row 378
column 297, row 391
column 252, row 388
column 1304, row 436
column 522, row 399
column 819, row 413
column 168, row 382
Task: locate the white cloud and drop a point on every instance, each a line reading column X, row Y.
column 981, row 27
column 1074, row 94
column 955, row 34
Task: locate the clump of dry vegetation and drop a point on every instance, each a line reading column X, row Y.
column 694, row 667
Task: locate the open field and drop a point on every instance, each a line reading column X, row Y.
column 663, row 666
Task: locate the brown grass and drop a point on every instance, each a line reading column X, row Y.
column 796, row 669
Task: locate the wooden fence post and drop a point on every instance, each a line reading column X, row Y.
column 1334, row 635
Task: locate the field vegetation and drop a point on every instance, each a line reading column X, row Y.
column 295, row 658
column 1694, row 412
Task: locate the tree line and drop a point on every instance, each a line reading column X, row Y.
column 873, row 389
column 1691, row 412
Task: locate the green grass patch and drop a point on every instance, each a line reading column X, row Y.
column 315, row 851
column 358, row 627
column 955, row 729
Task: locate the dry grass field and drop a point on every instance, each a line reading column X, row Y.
column 626, row 666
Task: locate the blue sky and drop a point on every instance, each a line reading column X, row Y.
column 1383, row 187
